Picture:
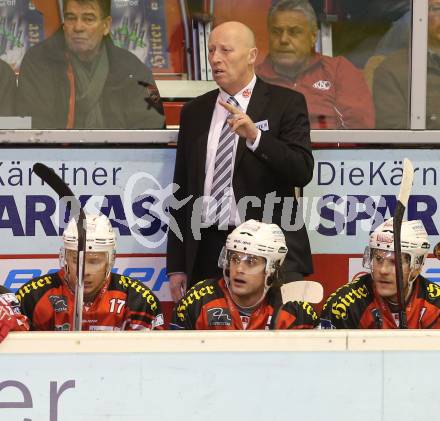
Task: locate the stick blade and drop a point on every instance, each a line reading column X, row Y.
column 310, row 291
column 51, row 178
column 407, row 181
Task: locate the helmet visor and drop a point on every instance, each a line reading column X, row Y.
column 95, row 262
column 374, row 257
column 247, row 263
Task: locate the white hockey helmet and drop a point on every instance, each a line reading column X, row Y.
column 259, row 239
column 100, row 237
column 414, row 241
column 99, row 234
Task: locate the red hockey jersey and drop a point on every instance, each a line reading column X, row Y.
column 122, row 304
column 209, row 305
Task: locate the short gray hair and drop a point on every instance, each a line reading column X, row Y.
column 295, row 5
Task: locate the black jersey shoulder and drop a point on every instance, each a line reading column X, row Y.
column 138, row 294
column 345, row 306
column 35, row 288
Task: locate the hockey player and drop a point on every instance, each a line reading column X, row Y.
column 247, row 297
column 370, row 301
column 10, row 317
column 111, row 301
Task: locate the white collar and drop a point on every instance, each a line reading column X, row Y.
column 243, row 96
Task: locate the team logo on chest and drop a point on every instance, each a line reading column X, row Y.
column 322, row 85
column 59, row 303
column 219, row 317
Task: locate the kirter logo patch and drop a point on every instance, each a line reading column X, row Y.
column 219, row 317
column 59, row 303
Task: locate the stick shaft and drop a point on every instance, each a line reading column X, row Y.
column 51, row 178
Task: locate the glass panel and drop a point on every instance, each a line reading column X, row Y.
column 433, row 81
column 339, row 54
column 334, row 66
column 78, row 77
column 391, row 70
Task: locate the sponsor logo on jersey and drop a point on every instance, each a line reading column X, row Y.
column 39, row 283
column 195, row 294
column 433, row 290
column 219, row 316
column 158, row 321
column 342, row 302
column 377, row 317
column 63, row 327
column 322, row 85
column 245, row 321
column 326, row 324
column 141, row 289
column 59, row 303
column 309, row 310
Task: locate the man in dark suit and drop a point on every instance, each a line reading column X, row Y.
column 252, row 149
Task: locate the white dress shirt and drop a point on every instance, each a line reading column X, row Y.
column 218, row 119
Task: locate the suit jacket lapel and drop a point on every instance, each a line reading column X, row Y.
column 255, row 110
column 201, row 142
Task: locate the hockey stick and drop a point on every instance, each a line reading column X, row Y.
column 49, row 176
column 310, row 291
column 402, row 201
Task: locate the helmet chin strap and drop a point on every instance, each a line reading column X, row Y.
column 410, row 289
column 410, row 285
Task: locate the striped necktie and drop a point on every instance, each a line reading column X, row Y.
column 221, row 190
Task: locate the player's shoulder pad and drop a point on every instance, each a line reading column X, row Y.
column 357, row 288
column 201, row 289
column 303, row 311
column 200, row 292
column 37, row 287
column 430, row 290
column 136, row 291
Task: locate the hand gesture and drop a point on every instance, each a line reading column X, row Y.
column 240, row 122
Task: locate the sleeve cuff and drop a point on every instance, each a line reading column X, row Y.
column 254, row 146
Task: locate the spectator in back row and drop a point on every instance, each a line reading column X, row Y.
column 336, row 92
column 8, row 87
column 391, row 82
column 79, row 79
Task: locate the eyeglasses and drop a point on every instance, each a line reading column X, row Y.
column 434, row 8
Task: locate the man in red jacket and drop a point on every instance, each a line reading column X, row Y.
column 370, row 301
column 336, row 93
column 248, row 296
